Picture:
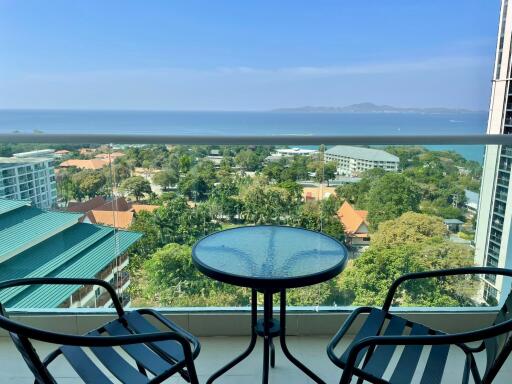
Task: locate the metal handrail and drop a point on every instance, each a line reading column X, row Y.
column 472, row 139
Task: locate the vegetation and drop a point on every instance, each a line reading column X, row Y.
column 411, row 243
column 198, row 196
column 136, row 186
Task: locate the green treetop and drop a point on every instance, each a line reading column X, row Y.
column 137, row 186
column 391, row 196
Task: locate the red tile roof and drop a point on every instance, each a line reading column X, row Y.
column 76, row 206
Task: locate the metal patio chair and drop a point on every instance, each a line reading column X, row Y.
column 145, row 348
column 370, row 353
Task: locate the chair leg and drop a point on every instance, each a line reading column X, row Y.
column 272, row 354
column 191, row 370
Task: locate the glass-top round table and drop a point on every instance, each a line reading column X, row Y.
column 269, row 259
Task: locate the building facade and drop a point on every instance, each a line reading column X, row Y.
column 352, row 161
column 493, row 240
column 29, row 176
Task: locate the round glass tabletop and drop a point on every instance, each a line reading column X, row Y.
column 269, row 256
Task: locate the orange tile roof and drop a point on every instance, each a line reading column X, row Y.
column 317, row 193
column 85, row 164
column 117, row 219
column 144, row 207
column 113, row 155
column 351, row 218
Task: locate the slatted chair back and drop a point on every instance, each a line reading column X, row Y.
column 498, row 348
column 29, row 354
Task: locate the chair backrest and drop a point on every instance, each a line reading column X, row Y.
column 498, row 348
column 29, row 354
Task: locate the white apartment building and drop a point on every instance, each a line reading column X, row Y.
column 26, row 177
column 352, row 161
column 493, row 245
column 290, row 152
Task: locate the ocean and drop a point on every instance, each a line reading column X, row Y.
column 249, row 123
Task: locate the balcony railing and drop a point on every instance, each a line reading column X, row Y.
column 208, row 185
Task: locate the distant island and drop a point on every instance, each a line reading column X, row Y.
column 373, row 108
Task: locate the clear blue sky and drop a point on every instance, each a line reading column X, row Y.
column 245, row 55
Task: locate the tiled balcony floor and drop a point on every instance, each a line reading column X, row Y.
column 217, row 351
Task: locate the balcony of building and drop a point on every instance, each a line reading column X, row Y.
column 224, row 331
column 223, row 334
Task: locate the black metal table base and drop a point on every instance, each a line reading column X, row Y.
column 268, row 328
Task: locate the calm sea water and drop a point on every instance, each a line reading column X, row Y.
column 248, row 123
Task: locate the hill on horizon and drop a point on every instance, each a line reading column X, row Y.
column 368, row 107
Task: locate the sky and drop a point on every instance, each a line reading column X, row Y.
column 245, row 55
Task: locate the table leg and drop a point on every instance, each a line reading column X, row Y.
column 284, row 347
column 247, row 352
column 267, row 338
column 272, row 353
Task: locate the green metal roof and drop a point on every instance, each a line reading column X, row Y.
column 47, row 256
column 86, row 264
column 25, row 227
column 7, row 205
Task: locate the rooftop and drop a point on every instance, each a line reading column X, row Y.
column 452, row 221
column 117, row 219
column 38, row 243
column 27, row 226
column 10, row 161
column 362, row 153
column 85, row 164
column 351, row 218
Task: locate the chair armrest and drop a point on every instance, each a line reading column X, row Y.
column 341, row 332
column 91, row 341
column 442, row 272
column 190, row 337
column 458, row 339
column 66, row 281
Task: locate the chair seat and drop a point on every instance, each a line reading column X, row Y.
column 384, row 324
column 156, row 358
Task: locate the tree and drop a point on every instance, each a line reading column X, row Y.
column 411, row 243
column 263, row 203
column 88, row 183
column 368, row 277
column 145, row 223
column 199, row 181
column 410, row 228
column 357, row 193
column 168, row 278
column 223, row 201
column 166, row 179
column 122, row 170
column 248, row 160
column 324, row 171
column 136, row 186
column 319, row 216
column 391, row 196
column 177, row 222
column 275, row 170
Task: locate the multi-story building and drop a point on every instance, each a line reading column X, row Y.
column 493, row 241
column 352, row 161
column 29, row 176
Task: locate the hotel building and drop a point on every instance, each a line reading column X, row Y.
column 352, row 161
column 493, row 241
